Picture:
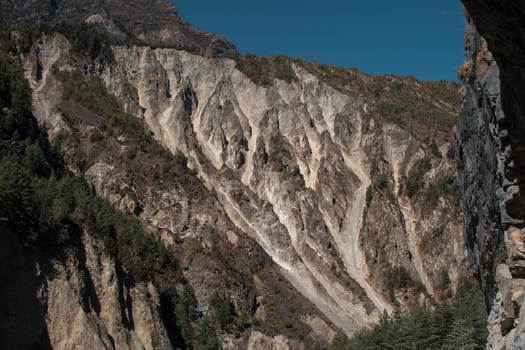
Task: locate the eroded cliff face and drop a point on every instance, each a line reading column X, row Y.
column 78, row 297
column 174, row 206
column 301, row 179
column 301, row 168
column 490, row 138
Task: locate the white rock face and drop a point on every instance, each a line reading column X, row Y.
column 291, row 165
column 259, row 151
column 259, row 341
column 95, row 309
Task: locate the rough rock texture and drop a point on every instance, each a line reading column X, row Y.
column 80, row 298
column 305, row 171
column 259, row 341
column 491, row 162
column 173, row 205
column 90, row 305
column 291, row 165
column 151, row 21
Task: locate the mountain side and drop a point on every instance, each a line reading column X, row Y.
column 233, row 281
column 151, row 22
column 301, row 168
column 490, row 161
column 63, row 285
column 316, row 197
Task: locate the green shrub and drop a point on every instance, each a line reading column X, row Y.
column 131, row 153
column 340, row 342
column 416, row 176
column 15, row 96
column 398, row 278
column 442, row 187
column 15, row 192
column 35, row 159
column 207, row 335
column 95, row 136
column 243, row 321
column 434, row 149
column 178, row 314
column 445, row 281
column 223, row 310
column 288, row 323
column 180, row 158
column 263, row 70
column 382, row 181
column 369, row 195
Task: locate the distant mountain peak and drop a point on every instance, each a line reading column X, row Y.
column 155, row 22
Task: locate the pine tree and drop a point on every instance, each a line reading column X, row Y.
column 439, row 326
column 15, row 193
column 469, row 306
column 461, row 337
column 208, row 336
column 341, row 342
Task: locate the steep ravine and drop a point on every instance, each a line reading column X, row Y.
column 349, row 235
column 298, row 198
column 409, row 219
column 398, row 151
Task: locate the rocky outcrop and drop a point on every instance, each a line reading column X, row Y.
column 152, row 22
column 490, row 162
column 91, row 305
column 259, row 341
column 76, row 298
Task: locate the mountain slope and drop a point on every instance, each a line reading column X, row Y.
column 317, row 196
column 151, row 22
column 302, row 169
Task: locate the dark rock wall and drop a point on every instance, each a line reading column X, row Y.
column 22, row 314
column 479, row 163
column 502, row 24
column 491, row 161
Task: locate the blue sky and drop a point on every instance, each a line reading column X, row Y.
column 404, row 37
